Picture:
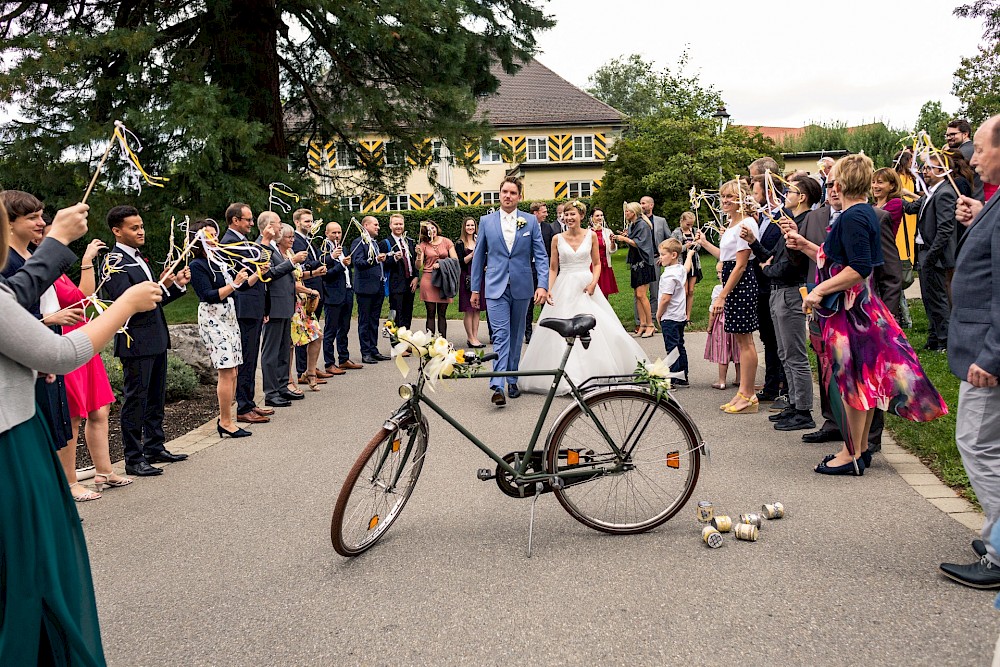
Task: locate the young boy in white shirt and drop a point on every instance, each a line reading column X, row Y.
column 671, row 311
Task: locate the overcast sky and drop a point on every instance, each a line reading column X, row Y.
column 828, row 59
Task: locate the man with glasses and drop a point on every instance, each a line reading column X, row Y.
column 958, row 134
column 250, row 316
column 936, row 240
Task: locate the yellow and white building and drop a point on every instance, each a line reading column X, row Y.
column 555, row 137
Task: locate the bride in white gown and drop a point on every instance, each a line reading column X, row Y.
column 573, row 290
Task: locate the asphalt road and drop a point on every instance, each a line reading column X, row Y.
column 226, row 558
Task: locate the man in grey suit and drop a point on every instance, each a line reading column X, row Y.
column 661, row 232
column 974, row 356
column 275, row 355
column 936, row 238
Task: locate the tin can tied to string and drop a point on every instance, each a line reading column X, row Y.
column 752, row 518
column 747, row 532
column 711, row 537
column 705, row 511
column 722, row 523
column 773, row 510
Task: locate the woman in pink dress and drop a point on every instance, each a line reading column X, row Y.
column 433, row 247
column 88, row 390
column 605, row 246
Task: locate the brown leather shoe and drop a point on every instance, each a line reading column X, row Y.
column 350, row 365
column 263, row 412
column 334, row 370
column 322, row 375
column 252, row 418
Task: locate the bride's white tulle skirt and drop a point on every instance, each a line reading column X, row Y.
column 612, row 351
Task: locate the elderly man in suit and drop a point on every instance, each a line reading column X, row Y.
column 974, row 356
column 661, row 232
column 275, row 354
column 508, row 241
column 936, row 239
column 312, row 277
column 143, row 352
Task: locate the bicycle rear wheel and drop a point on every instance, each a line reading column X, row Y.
column 378, row 486
column 634, row 493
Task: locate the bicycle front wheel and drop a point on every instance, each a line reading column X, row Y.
column 378, row 486
column 649, row 482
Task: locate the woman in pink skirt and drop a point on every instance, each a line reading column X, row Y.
column 89, row 392
column 721, row 347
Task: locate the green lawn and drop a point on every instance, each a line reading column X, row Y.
column 933, row 442
column 185, row 309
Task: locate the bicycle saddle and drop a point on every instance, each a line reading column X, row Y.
column 571, row 327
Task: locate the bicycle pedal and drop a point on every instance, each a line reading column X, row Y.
column 556, row 482
column 485, row 474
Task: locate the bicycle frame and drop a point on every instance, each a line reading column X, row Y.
column 519, row 473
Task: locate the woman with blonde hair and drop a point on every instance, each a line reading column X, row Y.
column 641, row 261
column 738, row 298
column 685, row 233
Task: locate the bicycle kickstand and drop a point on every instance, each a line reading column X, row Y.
column 531, row 522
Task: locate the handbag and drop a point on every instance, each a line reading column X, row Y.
column 907, row 264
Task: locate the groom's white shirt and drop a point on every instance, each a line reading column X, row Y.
column 508, row 223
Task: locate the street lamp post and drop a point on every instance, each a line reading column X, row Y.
column 721, row 117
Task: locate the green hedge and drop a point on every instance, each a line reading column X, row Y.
column 181, row 378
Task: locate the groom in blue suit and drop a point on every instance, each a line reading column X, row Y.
column 508, row 239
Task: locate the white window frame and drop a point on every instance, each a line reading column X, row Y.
column 491, row 198
column 491, row 154
column 398, row 202
column 542, row 145
column 344, row 158
column 579, row 186
column 352, row 203
column 390, row 148
column 582, row 138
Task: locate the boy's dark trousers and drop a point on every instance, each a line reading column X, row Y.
column 673, row 337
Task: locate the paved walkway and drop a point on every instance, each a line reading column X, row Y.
column 226, row 560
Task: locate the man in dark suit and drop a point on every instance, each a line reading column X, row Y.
column 401, row 274
column 338, row 302
column 144, row 357
column 775, row 385
column 541, row 213
column 936, row 239
column 280, row 306
column 958, row 135
column 369, row 288
column 661, row 232
column 312, row 277
column 250, row 299
column 974, row 356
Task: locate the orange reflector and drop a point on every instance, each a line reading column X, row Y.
column 373, row 522
column 395, row 445
column 572, row 457
column 673, row 459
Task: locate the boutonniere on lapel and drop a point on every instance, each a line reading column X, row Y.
column 521, row 222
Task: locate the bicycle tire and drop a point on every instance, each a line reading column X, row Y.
column 669, row 469
column 364, row 510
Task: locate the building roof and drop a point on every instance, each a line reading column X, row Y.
column 777, row 134
column 537, row 96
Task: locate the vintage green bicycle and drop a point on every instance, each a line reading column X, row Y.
column 622, row 458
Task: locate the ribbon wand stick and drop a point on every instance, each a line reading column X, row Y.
column 104, row 158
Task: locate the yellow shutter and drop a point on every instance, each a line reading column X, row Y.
column 429, row 201
column 372, row 152
column 376, row 204
column 595, row 186
column 600, row 147
column 472, row 153
column 560, row 147
column 561, row 190
column 516, row 147
column 416, row 202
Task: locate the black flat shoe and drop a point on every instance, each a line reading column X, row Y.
column 513, row 391
column 277, row 402
column 822, row 435
column 381, row 357
column 846, row 469
column 983, row 574
column 166, row 457
column 369, row 360
column 238, row 433
column 143, row 470
column 499, row 399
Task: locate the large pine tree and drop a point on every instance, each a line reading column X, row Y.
column 226, row 93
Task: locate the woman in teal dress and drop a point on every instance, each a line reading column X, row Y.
column 864, row 357
column 47, row 609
